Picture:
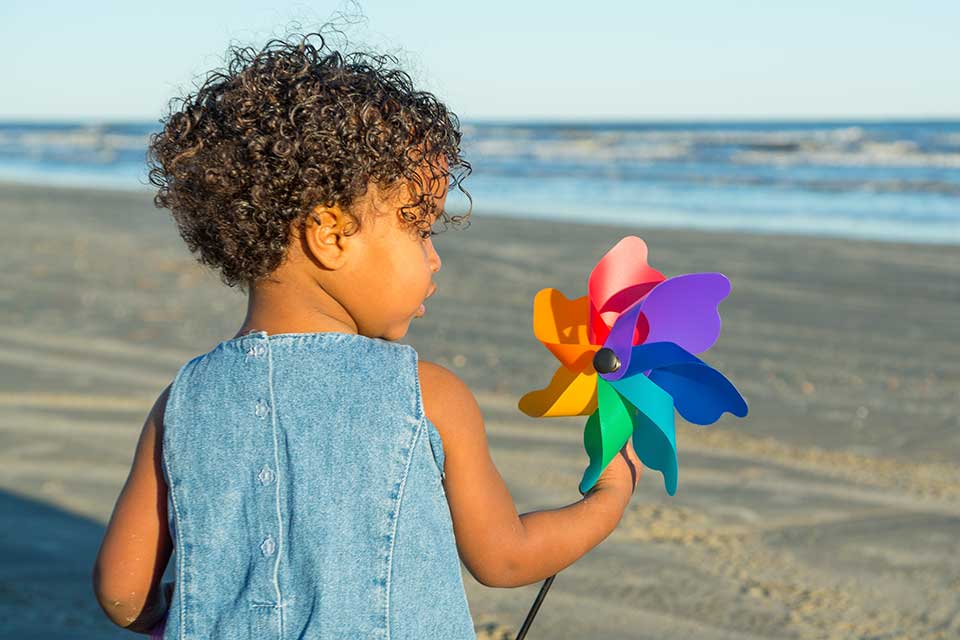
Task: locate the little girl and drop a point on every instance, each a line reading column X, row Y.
column 311, row 477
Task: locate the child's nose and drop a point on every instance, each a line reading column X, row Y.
column 435, row 262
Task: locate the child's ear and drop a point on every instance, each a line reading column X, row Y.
column 325, row 235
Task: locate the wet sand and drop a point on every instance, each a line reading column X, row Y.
column 832, row 511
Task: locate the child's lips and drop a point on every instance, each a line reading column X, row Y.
column 422, row 309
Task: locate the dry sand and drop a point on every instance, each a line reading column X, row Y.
column 832, row 511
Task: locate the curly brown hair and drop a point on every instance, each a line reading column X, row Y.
column 290, row 127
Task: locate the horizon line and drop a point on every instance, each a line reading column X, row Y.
column 555, row 120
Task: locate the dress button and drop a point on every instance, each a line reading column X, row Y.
column 266, row 475
column 267, row 547
column 261, row 409
column 259, row 350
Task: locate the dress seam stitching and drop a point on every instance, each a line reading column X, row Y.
column 396, row 517
column 177, row 525
column 422, row 414
column 276, row 462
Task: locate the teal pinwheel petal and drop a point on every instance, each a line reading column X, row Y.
column 654, row 431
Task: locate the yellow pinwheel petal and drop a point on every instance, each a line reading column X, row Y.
column 569, row 394
column 562, row 326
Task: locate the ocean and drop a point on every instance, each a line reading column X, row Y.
column 896, row 180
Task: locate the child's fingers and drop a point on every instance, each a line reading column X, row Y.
column 633, row 461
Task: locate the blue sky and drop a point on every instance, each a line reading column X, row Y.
column 497, row 59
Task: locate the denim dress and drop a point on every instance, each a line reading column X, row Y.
column 305, row 496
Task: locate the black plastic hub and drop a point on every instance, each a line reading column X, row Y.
column 606, row 361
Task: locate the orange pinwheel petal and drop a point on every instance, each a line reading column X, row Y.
column 568, row 394
column 576, row 357
column 562, row 326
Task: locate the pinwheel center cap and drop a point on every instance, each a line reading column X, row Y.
column 606, row 361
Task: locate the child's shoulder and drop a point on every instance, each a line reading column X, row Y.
column 154, row 421
column 448, row 402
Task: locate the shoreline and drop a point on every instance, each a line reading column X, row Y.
column 13, row 185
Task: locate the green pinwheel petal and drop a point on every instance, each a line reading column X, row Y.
column 607, row 430
column 593, row 444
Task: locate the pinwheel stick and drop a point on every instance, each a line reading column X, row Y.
column 535, row 607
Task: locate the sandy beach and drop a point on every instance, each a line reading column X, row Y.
column 832, row 511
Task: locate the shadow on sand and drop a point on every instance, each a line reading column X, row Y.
column 46, row 556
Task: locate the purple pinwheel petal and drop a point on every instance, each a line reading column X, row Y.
column 620, row 338
column 683, row 309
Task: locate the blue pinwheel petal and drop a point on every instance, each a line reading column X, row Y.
column 700, row 393
column 655, row 355
column 654, row 434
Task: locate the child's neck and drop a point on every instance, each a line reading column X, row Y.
column 280, row 306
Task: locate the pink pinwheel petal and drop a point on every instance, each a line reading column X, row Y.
column 621, row 277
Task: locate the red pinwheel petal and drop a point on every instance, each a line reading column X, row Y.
column 618, row 280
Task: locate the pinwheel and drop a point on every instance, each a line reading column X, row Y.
column 626, row 351
column 627, row 359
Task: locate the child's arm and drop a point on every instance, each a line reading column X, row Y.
column 499, row 547
column 136, row 545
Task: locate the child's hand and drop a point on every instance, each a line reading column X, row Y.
column 622, row 474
